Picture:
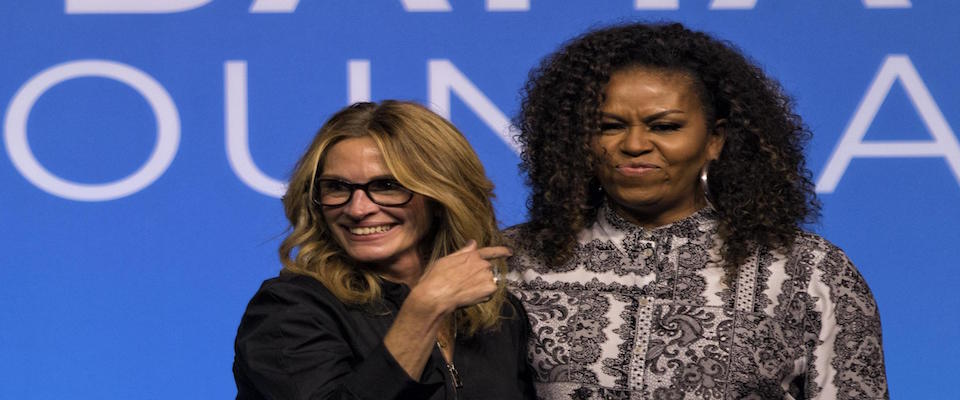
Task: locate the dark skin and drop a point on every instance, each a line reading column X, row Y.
column 653, row 143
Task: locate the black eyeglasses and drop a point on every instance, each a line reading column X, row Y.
column 384, row 192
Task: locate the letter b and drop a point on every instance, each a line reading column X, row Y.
column 131, row 6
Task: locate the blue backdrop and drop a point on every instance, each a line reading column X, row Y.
column 145, row 144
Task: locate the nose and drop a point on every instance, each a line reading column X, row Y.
column 360, row 205
column 636, row 141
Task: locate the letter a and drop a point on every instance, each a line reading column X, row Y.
column 887, row 4
column 944, row 143
column 274, row 6
column 733, row 4
column 444, row 5
column 656, row 4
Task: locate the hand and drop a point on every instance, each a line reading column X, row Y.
column 460, row 279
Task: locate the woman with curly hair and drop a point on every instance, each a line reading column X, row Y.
column 390, row 287
column 665, row 256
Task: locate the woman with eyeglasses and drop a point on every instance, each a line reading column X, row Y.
column 390, row 287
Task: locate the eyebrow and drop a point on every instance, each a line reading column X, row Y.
column 340, row 178
column 647, row 119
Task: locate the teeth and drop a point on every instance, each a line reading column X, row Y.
column 369, row 230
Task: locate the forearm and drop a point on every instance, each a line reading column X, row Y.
column 411, row 338
column 296, row 341
column 460, row 279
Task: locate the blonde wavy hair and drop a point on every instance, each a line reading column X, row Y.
column 426, row 154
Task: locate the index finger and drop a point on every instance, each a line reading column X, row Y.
column 471, row 244
column 487, row 253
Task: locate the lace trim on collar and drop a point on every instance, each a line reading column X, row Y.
column 702, row 220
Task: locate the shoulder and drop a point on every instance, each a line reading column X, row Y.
column 292, row 290
column 521, row 241
column 517, row 234
column 289, row 299
column 821, row 253
column 288, row 281
column 812, row 242
column 834, row 275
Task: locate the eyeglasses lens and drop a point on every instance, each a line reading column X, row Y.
column 388, row 192
column 385, row 192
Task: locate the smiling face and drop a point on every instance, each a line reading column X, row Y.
column 654, row 140
column 387, row 238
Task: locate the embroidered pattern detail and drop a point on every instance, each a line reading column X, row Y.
column 746, row 283
column 644, row 314
column 858, row 344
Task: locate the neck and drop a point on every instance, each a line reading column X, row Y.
column 650, row 219
column 405, row 270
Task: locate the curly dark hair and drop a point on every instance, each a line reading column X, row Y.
column 760, row 186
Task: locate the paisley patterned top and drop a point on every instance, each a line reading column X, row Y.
column 644, row 314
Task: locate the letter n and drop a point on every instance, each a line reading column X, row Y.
column 444, row 78
column 944, row 143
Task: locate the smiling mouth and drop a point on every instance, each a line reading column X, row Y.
column 369, row 230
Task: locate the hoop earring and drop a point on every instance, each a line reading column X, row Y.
column 705, row 182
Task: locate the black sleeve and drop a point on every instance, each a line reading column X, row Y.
column 292, row 344
column 525, row 370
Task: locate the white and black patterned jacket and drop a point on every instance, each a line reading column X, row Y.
column 644, row 314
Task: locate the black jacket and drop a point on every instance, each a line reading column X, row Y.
column 297, row 341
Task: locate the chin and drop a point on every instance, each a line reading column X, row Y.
column 636, row 201
column 369, row 256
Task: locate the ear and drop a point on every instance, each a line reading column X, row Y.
column 716, row 140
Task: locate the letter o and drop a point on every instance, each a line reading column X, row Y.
column 168, row 130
